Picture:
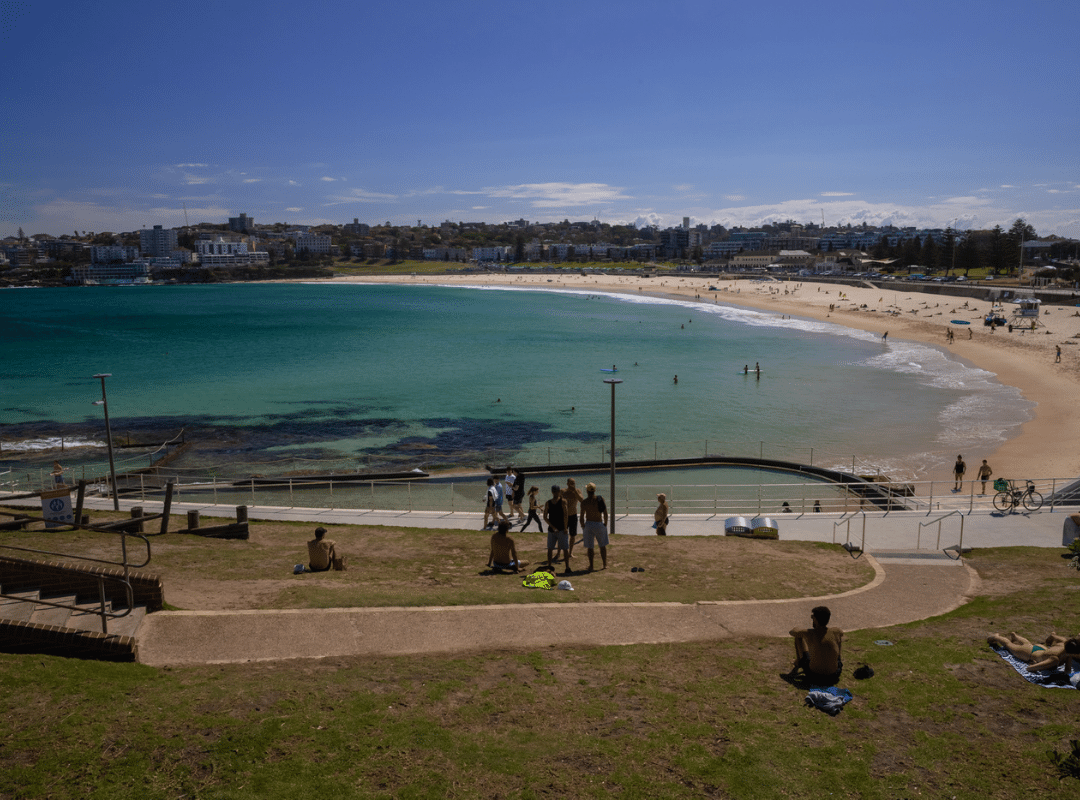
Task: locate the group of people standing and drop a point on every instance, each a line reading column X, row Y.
column 560, row 514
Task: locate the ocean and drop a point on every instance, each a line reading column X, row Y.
column 319, row 377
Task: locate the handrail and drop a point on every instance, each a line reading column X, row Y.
column 846, row 520
column 125, row 581
column 959, row 548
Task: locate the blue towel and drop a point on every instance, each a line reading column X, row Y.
column 1054, row 679
column 830, row 699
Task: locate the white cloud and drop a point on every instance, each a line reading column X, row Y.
column 837, row 194
column 293, row 183
column 252, row 180
column 559, row 195
column 963, row 213
column 360, row 196
column 62, row 214
column 734, row 198
column 684, row 187
column 191, row 166
column 325, row 178
column 294, row 210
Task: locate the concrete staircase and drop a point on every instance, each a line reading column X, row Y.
column 55, row 609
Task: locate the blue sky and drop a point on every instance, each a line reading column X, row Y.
column 118, row 114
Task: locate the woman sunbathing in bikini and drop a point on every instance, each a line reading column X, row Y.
column 1052, row 653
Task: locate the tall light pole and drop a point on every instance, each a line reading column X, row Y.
column 611, row 500
column 104, row 403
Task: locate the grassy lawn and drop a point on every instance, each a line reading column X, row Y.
column 943, row 717
column 422, row 567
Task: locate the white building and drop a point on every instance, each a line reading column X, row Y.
column 492, row 253
column 312, row 243
column 108, row 253
column 220, row 247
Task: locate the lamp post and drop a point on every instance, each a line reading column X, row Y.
column 611, row 511
column 104, row 403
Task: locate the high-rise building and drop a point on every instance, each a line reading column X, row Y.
column 157, row 242
column 241, row 224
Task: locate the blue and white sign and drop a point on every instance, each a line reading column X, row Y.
column 56, row 508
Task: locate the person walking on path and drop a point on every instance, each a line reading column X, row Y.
column 594, row 525
column 518, row 496
column 984, row 475
column 489, row 504
column 533, row 514
column 661, row 515
column 555, row 518
column 959, row 468
column 572, row 495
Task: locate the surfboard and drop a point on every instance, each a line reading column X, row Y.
column 609, row 370
column 751, row 372
column 959, row 322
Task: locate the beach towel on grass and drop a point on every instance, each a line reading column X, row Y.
column 1056, row 679
column 830, row 699
column 541, row 579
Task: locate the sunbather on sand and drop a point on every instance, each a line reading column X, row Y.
column 1052, row 653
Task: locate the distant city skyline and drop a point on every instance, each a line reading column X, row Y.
column 927, row 114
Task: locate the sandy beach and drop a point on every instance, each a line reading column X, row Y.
column 1048, row 445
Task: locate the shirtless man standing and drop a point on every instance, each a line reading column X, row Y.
column 555, row 517
column 572, row 495
column 594, row 525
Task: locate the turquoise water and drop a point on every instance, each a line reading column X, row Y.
column 361, row 376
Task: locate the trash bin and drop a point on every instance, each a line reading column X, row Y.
column 736, row 526
column 764, row 526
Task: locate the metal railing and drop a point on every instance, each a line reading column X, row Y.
column 958, row 548
column 104, row 611
column 633, row 496
column 40, row 477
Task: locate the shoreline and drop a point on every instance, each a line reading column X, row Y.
column 1047, row 445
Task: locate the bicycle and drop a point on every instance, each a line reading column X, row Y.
column 1009, row 497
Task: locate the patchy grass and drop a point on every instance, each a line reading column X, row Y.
column 423, row 567
column 943, row 717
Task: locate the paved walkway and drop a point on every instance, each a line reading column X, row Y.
column 914, row 580
column 901, row 591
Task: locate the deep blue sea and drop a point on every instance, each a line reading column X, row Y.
column 265, row 378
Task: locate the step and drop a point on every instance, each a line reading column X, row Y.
column 87, row 617
column 18, row 606
column 129, row 625
column 47, row 615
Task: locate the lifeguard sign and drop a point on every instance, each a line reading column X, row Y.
column 56, row 508
column 1026, row 313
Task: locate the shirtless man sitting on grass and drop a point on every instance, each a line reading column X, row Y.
column 503, row 554
column 817, row 649
column 1052, row 653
